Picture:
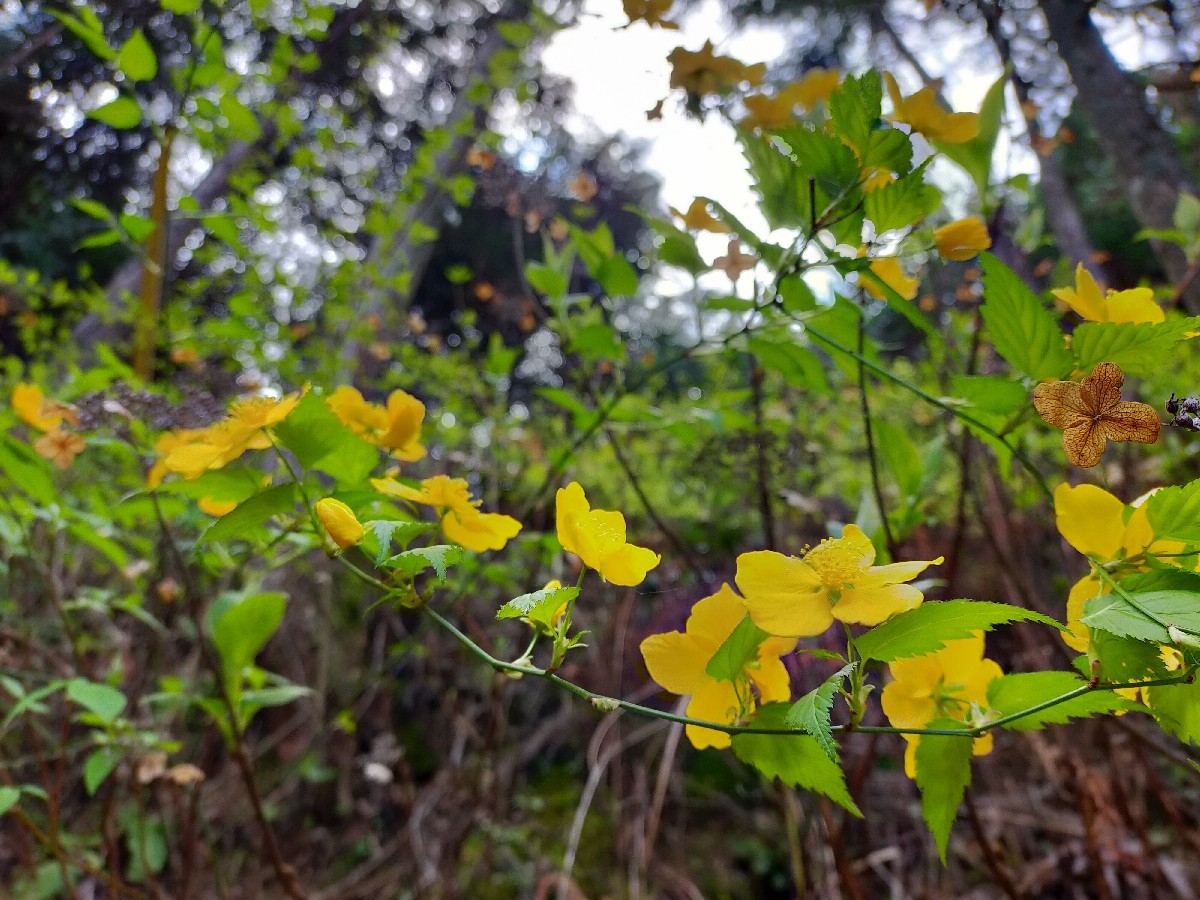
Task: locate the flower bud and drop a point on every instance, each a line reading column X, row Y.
column 340, row 522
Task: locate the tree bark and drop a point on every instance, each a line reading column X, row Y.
column 1152, row 173
column 1062, row 212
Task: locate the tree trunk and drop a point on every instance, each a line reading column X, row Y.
column 1144, row 154
column 1062, row 212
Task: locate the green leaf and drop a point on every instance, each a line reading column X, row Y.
column 901, row 203
column 385, row 531
column 1025, row 690
column 795, row 294
column 539, row 606
column 900, row 457
column 1138, row 349
column 136, row 58
column 319, row 440
column 251, row 513
column 798, row 761
column 25, row 471
column 736, row 652
column 943, row 774
column 90, row 33
column 1114, row 614
column 279, row 695
column 855, row 107
column 617, row 277
column 244, row 628
column 8, row 798
column 98, row 766
column 1176, row 707
column 927, row 628
column 797, row 365
column 811, row 713
column 100, row 239
column 991, row 394
column 975, row 155
column 888, row 148
column 417, row 560
column 137, row 227
column 242, row 123
column 181, row 7
column 547, row 280
column 1024, row 332
column 121, row 113
column 91, row 208
column 102, row 700
column 1174, row 512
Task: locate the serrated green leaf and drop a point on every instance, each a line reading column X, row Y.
column 798, row 761
column 901, row 203
column 1174, row 512
column 1024, row 690
column 386, row 531
column 943, row 774
column 888, row 148
column 251, row 513
column 1138, row 349
column 1116, row 614
column 121, row 113
column 136, row 58
column 412, row 562
column 1023, row 331
column 538, row 606
column 1176, row 707
column 927, row 628
column 855, row 107
column 736, row 652
column 102, row 700
column 811, row 713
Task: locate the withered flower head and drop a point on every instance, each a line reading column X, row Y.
column 1092, row 412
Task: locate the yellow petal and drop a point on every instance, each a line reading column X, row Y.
column 891, row 273
column 714, row 618
column 628, row 565
column 907, row 700
column 1086, row 298
column 341, row 523
column 677, row 661
column 216, row 508
column 772, row 678
column 963, row 239
column 569, row 504
column 894, row 573
column 1090, row 518
column 871, row 606
column 715, row 701
column 1077, row 636
column 1135, row 305
column 478, row 531
column 784, row 594
column 28, row 402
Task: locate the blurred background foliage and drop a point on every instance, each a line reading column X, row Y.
column 386, row 194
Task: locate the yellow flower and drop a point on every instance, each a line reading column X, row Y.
column 396, row 427
column 191, row 454
column 1100, row 526
column 963, row 239
column 341, row 523
column 216, row 508
column 778, row 111
column 816, row 85
column 703, row 72
column 1136, row 305
column 461, row 520
column 597, row 536
column 34, row 408
column 801, row 597
column 891, row 273
column 678, row 661
column 59, row 446
column 652, row 12
column 698, row 218
column 951, row 683
column 923, row 113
